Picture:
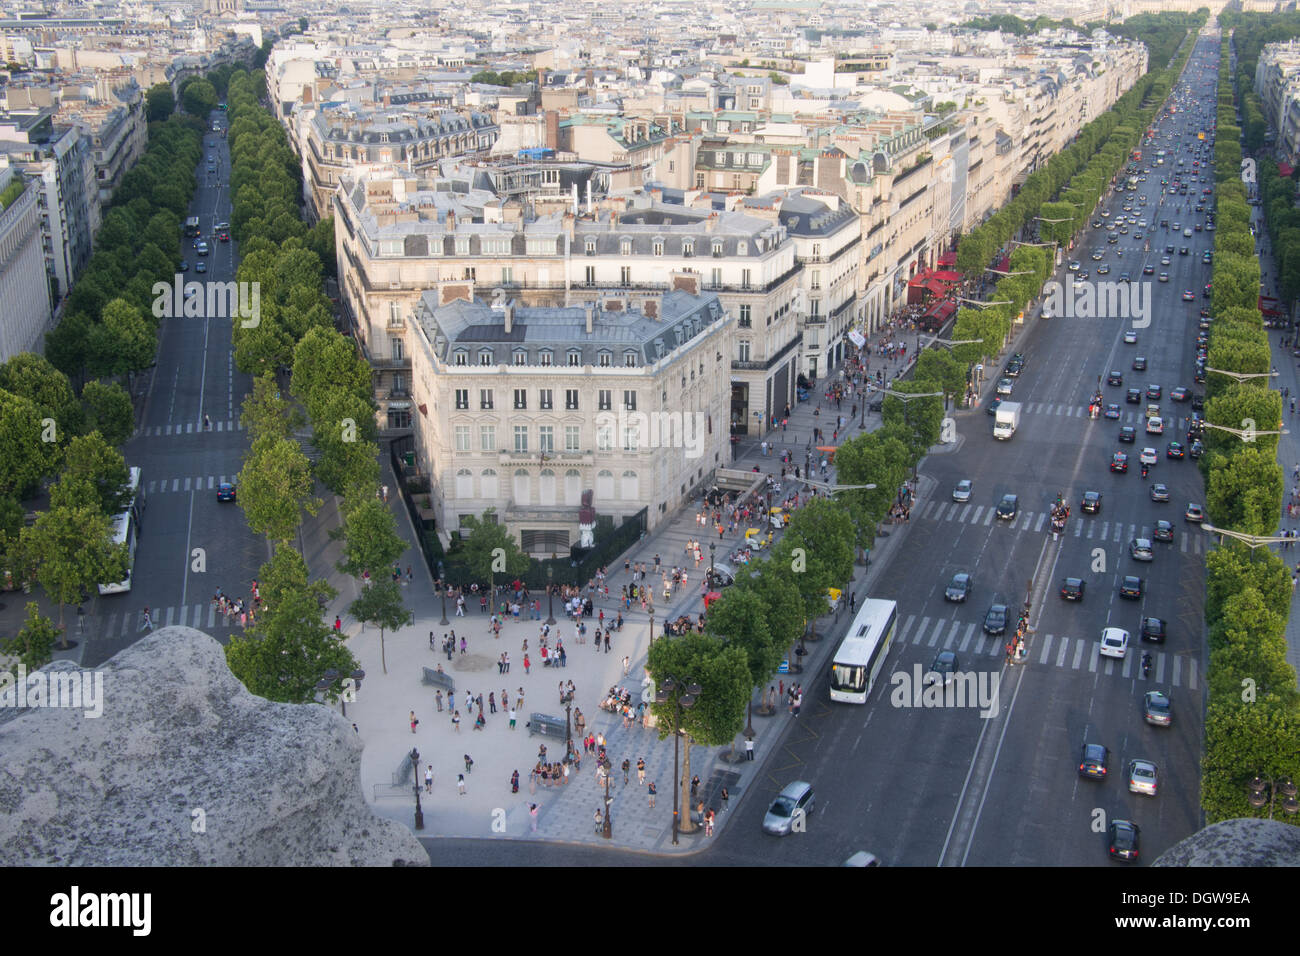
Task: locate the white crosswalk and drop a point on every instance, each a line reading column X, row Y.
column 1129, row 415
column 1188, row 541
column 203, row 616
column 162, row 486
column 187, row 428
column 1049, row 650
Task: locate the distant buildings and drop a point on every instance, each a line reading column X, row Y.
column 24, row 287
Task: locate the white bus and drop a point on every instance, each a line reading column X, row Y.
column 862, row 653
column 126, row 528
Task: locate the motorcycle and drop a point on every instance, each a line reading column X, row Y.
column 1146, row 665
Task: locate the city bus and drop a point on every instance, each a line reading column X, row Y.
column 192, row 227
column 861, row 655
column 126, row 529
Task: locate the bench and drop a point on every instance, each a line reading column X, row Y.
column 547, row 726
column 436, row 678
column 403, row 774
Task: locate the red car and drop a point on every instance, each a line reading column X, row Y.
column 224, row 237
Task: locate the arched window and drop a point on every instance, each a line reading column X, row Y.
column 546, row 487
column 521, row 487
column 605, row 485
column 488, row 483
column 464, row 483
column 572, row 488
column 631, row 489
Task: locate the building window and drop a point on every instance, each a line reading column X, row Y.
column 399, row 418
column 717, row 248
column 546, row 439
column 462, row 437
column 462, row 245
column 544, row 357
column 507, row 276
column 485, row 398
column 571, row 399
column 521, row 398
column 746, row 316
column 814, row 339
column 589, row 277
column 814, row 306
column 817, row 250
column 658, row 247
column 715, row 278
column 625, row 247
column 604, row 360
column 485, row 357
column 742, row 248
column 742, row 351
column 572, row 438
column 688, row 248
column 604, row 438
column 629, row 399
column 469, row 274
column 521, row 357
column 629, row 437
column 521, row 439
column 462, row 398
column 544, row 398
column 744, row 278
column 487, row 438
column 604, row 399
column 462, row 357
column 629, row 359
column 591, row 247
column 815, row 280
column 575, row 357
column 625, row 275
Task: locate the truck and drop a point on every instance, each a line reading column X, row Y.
column 1006, row 420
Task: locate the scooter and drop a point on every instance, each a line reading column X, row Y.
column 1146, row 665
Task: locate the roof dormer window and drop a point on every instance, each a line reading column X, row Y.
column 485, row 357
column 461, row 357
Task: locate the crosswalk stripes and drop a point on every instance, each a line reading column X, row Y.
column 187, row 428
column 1050, row 650
column 196, row 483
column 1092, row 528
column 121, row 625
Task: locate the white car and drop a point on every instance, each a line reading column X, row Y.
column 1142, row 777
column 1130, row 337
column 1114, row 642
column 962, row 491
column 1155, row 426
column 1148, row 456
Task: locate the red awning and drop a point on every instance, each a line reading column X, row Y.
column 948, row 259
column 935, row 287
column 920, row 279
column 947, row 275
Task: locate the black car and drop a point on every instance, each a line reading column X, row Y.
column 1183, row 251
column 1124, row 837
column 1008, row 506
column 1196, row 450
column 1130, row 586
column 1163, row 531
column 1153, row 392
column 1153, row 629
column 1093, row 759
column 958, row 588
column 1128, row 433
column 1148, row 270
column 1198, row 402
column 1133, row 396
column 1091, row 503
column 1119, row 463
column 1072, row 589
column 1114, row 378
column 1180, row 394
column 226, row 491
column 993, row 405
column 1140, row 364
column 995, row 621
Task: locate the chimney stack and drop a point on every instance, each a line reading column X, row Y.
column 510, row 315
column 590, row 309
column 569, row 221
column 451, row 221
column 711, row 223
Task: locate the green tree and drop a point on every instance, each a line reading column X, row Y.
column 266, row 414
column 345, row 434
column 1245, row 493
column 93, row 460
column 739, row 619
column 718, row 712
column 370, row 538
column 783, row 606
column 28, row 451
column 199, row 98
column 107, row 409
column 33, row 645
column 160, row 102
column 275, row 487
column 380, row 604
column 289, row 648
column 33, row 377
column 817, row 551
column 489, row 549
column 918, row 419
column 123, row 342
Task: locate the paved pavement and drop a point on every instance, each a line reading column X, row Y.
column 567, row 812
column 1288, row 448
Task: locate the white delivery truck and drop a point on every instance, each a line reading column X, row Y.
column 1006, row 420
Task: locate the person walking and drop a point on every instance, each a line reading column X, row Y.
column 455, row 721
column 527, row 664
column 438, row 700
column 749, row 748
column 469, row 763
column 532, row 814
column 695, row 786
column 606, row 640
column 338, row 625
column 627, row 765
column 414, row 722
column 460, row 784
column 725, row 797
column 428, row 779
column 708, row 823
column 652, row 791
column 148, row 620
column 626, row 664
column 640, row 771
column 492, row 702
column 514, row 782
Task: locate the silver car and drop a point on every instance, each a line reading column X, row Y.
column 1139, row 549
column 1142, row 777
column 962, row 491
column 794, row 803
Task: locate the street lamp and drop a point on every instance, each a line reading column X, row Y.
column 550, row 596
column 1263, row 792
column 652, row 626
column 1242, row 376
column 568, row 726
column 665, row 694
column 442, row 590
column 1244, row 434
column 1251, row 541
column 331, row 676
column 415, row 772
column 608, row 831
column 984, row 305
column 713, row 546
